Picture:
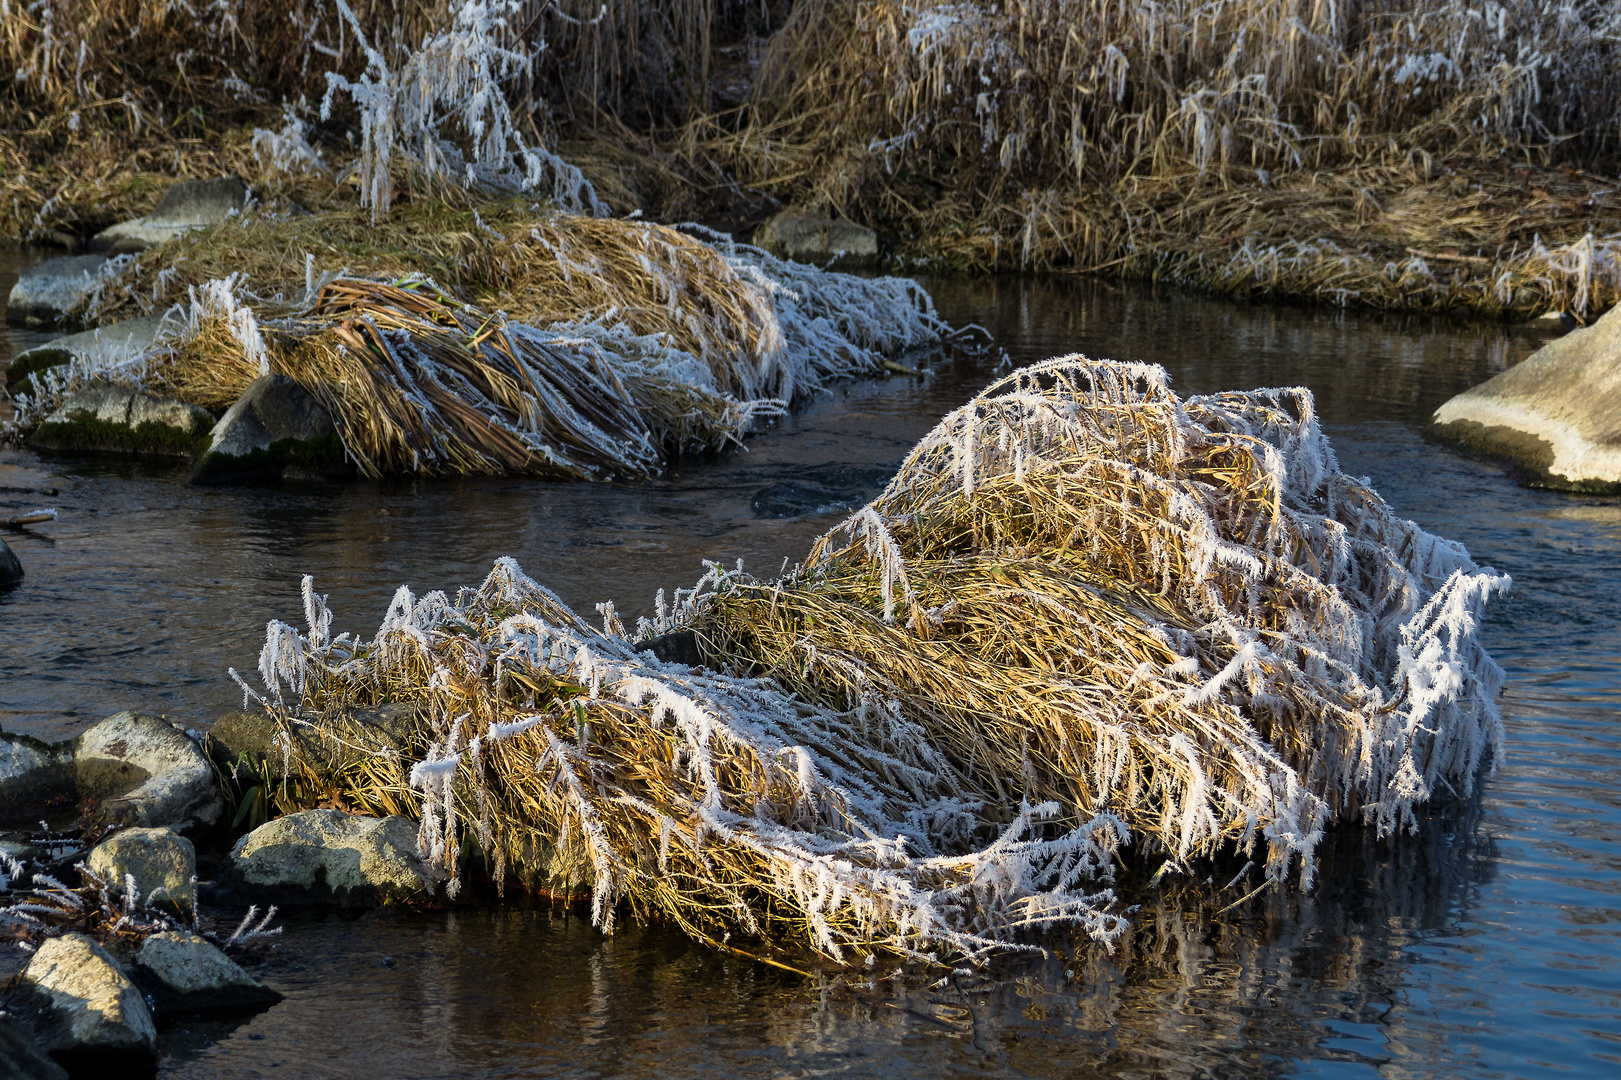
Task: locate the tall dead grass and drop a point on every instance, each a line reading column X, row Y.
column 1085, row 615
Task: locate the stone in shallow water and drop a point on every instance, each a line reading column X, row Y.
column 90, row 1013
column 145, row 771
column 275, row 427
column 32, row 774
column 326, row 856
column 186, row 974
column 188, row 204
column 1556, row 416
column 114, row 343
column 44, row 293
column 819, row 241
column 107, row 418
column 158, row 859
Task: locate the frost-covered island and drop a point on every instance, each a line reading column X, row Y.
column 1086, row 672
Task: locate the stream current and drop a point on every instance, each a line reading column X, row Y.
column 1489, row 945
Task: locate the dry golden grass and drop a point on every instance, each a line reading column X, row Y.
column 1085, row 612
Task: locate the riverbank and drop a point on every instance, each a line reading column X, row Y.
column 1412, row 160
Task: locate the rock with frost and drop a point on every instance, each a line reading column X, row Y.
column 104, row 417
column 183, row 973
column 112, row 344
column 276, row 428
column 157, row 858
column 820, row 241
column 44, row 293
column 326, row 856
column 32, row 774
column 11, row 568
column 188, row 204
column 1556, row 416
column 21, row 1058
column 88, row 1012
column 145, row 771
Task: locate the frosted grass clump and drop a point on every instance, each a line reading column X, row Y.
column 1181, row 613
column 1087, row 618
column 720, row 803
column 455, row 77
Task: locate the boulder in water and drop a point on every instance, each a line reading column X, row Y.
column 1555, row 416
column 145, row 771
column 183, row 973
column 44, row 293
column 118, row 341
column 188, row 204
column 104, row 417
column 327, row 856
column 276, row 428
column 156, row 858
column 820, row 241
column 32, row 774
column 89, row 1013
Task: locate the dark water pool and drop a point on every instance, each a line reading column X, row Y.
column 1488, row 946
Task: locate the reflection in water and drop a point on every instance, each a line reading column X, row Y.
column 1486, row 946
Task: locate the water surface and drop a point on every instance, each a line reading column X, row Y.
column 1488, row 946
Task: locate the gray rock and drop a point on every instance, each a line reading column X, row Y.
column 326, row 856
column 109, row 344
column 188, row 204
column 276, row 427
column 21, row 1058
column 254, row 739
column 158, row 859
column 1556, row 416
column 90, row 1012
column 44, row 293
column 680, row 647
column 185, row 974
column 820, row 241
column 11, row 568
column 32, row 774
column 146, row 772
column 107, row 418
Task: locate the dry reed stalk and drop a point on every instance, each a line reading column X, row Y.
column 1084, row 613
column 418, row 382
column 762, row 327
column 1178, row 613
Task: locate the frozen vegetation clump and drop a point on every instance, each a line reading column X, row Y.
column 1088, row 620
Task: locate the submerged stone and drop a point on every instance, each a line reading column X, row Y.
column 188, row 204
column 157, row 858
column 184, row 973
column 107, row 418
column 327, row 856
column 89, row 1013
column 145, row 771
column 822, row 242
column 276, row 428
column 1555, row 416
column 44, row 293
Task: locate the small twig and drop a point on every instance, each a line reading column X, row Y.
column 34, row 517
column 901, row 369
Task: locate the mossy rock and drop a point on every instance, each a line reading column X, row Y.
column 112, row 419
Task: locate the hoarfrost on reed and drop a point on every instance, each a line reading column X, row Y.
column 1087, row 617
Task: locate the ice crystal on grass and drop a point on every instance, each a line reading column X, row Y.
column 1086, row 617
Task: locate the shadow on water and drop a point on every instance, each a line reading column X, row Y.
column 1488, row 945
column 520, row 991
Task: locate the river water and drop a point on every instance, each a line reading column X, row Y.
column 1490, row 945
